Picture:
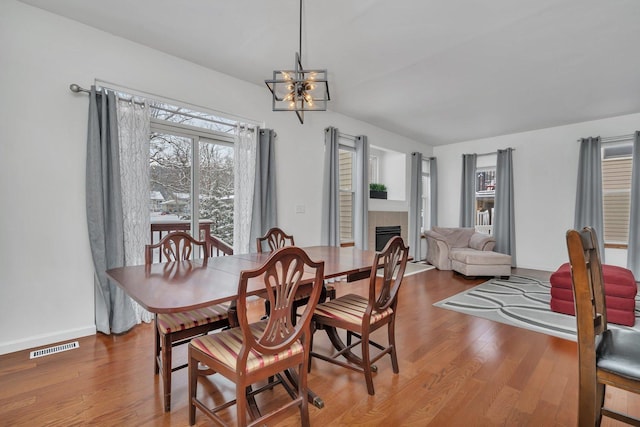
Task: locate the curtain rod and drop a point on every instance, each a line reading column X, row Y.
column 491, row 153
column 346, row 136
column 77, row 89
column 609, row 139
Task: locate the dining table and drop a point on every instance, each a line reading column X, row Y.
column 177, row 286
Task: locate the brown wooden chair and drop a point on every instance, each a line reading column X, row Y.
column 606, row 356
column 274, row 239
column 174, row 329
column 256, row 351
column 360, row 316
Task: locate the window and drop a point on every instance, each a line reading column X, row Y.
column 426, row 195
column 347, row 180
column 191, row 172
column 616, row 193
column 373, row 169
column 485, row 198
column 388, row 167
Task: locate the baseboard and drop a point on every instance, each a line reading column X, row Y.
column 42, row 340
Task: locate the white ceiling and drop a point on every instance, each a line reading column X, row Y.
column 436, row 71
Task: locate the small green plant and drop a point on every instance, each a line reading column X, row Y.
column 377, row 187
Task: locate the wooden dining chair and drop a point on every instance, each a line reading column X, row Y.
column 257, row 351
column 172, row 329
column 607, row 357
column 274, row 239
column 359, row 315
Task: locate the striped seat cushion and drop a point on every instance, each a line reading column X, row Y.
column 173, row 322
column 225, row 346
column 349, row 308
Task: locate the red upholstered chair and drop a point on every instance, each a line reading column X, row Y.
column 619, row 287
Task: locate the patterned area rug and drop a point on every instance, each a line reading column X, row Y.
column 519, row 301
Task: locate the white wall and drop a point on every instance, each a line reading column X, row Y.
column 46, row 274
column 545, row 167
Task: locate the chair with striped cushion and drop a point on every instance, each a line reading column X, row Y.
column 174, row 329
column 274, row 239
column 359, row 315
column 266, row 348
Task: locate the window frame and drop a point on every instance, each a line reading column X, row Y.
column 625, row 145
column 344, row 144
column 196, row 135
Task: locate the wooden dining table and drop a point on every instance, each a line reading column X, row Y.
column 177, row 286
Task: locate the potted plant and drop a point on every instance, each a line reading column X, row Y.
column 377, row 191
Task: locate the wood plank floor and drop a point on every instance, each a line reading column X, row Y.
column 455, row 370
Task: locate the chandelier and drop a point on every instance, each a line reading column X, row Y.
column 299, row 90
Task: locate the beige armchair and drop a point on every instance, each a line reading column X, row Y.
column 442, row 240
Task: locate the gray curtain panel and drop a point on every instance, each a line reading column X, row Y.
column 468, row 193
column 633, row 250
column 504, row 228
column 330, row 227
column 433, row 184
column 113, row 309
column 589, row 189
column 264, row 214
column 361, row 214
column 415, row 207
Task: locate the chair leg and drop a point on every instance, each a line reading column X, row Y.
column 302, row 392
column 156, row 365
column 313, row 330
column 193, row 385
column 241, row 404
column 392, row 343
column 600, row 393
column 166, row 371
column 588, row 410
column 366, row 362
column 252, row 405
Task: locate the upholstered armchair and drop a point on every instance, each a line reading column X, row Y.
column 441, row 240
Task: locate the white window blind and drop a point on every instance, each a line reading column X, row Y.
column 616, row 193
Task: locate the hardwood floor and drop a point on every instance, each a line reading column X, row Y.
column 455, row 370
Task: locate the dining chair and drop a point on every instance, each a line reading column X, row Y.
column 607, row 357
column 172, row 329
column 274, row 239
column 257, row 351
column 359, row 315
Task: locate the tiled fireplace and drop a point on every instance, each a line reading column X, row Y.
column 387, row 219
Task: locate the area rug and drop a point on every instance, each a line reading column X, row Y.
column 522, row 302
column 413, row 268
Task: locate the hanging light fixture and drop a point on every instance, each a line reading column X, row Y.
column 299, row 90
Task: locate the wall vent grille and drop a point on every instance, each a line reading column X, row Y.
column 53, row 350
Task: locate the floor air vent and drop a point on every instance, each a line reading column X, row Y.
column 55, row 349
